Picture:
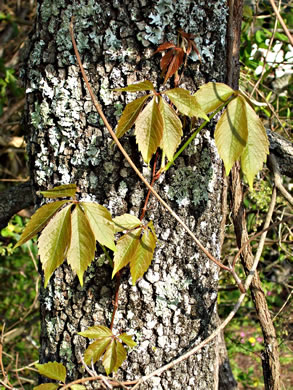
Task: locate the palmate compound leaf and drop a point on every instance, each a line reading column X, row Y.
column 39, row 220
column 149, row 130
column 64, row 191
column 142, row 86
column 172, row 129
column 231, row 132
column 52, row 370
column 54, row 242
column 100, row 221
column 186, row 103
column 257, row 147
column 125, row 222
column 47, row 386
column 210, row 96
column 82, row 245
column 129, row 115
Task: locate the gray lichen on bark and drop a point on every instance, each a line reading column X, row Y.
column 174, row 305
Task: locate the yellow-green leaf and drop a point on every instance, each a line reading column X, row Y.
column 120, row 355
column 126, row 249
column 140, row 262
column 77, row 387
column 231, row 132
column 82, row 245
column 186, row 103
column 110, row 357
column 172, row 129
column 127, row 339
column 52, row 370
column 97, row 332
column 129, row 115
column 39, row 220
column 212, row 95
column 100, row 221
column 257, row 147
column 125, row 222
column 95, row 350
column 47, row 386
column 142, row 86
column 149, row 130
column 54, row 242
column 64, row 191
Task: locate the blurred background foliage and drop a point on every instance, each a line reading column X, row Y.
column 266, row 77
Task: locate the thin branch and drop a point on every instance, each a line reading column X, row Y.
column 281, row 20
column 273, row 165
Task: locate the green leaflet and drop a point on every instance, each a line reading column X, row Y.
column 96, row 349
column 47, row 386
column 127, row 340
column 54, row 242
column 172, row 129
column 186, row 103
column 257, row 147
column 212, row 95
column 96, row 332
column 64, row 191
column 231, row 132
column 82, row 245
column 125, row 222
column 129, row 115
column 149, row 130
column 100, row 221
column 142, row 86
column 77, row 387
column 39, row 220
column 52, row 370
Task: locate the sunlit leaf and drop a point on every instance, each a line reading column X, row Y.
column 231, row 132
column 129, row 115
column 212, row 95
column 125, row 222
column 120, row 355
column 96, row 332
column 39, row 220
column 82, row 245
column 186, row 103
column 95, row 350
column 64, row 191
column 143, row 255
column 126, row 249
column 110, row 357
column 77, row 387
column 100, row 221
column 257, row 147
column 172, row 129
column 149, row 130
column 142, row 86
column 47, row 386
column 52, row 370
column 54, row 242
column 171, row 62
column 127, row 339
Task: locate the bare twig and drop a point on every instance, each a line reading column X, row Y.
column 273, row 165
column 281, row 20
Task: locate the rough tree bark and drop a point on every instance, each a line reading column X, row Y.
column 174, row 305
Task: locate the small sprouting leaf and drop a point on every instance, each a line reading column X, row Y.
column 186, row 103
column 100, row 221
column 143, row 255
column 125, row 222
column 142, row 86
column 96, row 332
column 64, row 191
column 164, row 46
column 54, row 242
column 129, row 115
column 52, row 370
column 172, row 129
column 257, row 147
column 82, row 245
column 126, row 249
column 95, row 350
column 77, row 387
column 149, row 130
column 47, row 386
column 212, row 95
column 127, row 339
column 231, row 132
column 171, row 62
column 39, row 220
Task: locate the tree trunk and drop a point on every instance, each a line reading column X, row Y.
column 174, row 305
